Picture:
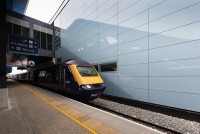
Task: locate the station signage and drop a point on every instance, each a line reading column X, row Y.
column 22, row 45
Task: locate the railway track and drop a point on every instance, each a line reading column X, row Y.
column 155, row 126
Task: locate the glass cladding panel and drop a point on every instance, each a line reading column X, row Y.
column 180, row 18
column 126, row 35
column 166, row 48
column 108, row 38
column 105, row 6
column 17, row 30
column 91, row 9
column 135, row 21
column 106, row 53
column 91, row 57
column 66, row 16
column 133, row 70
column 108, row 14
column 175, row 52
column 102, row 3
column 108, row 24
column 91, row 44
column 57, row 41
column 91, row 28
column 172, row 7
column 134, row 82
column 134, row 93
column 179, row 100
column 175, row 36
column 133, row 46
column 111, row 85
column 190, row 67
column 124, row 4
column 131, row 10
column 184, row 84
column 78, row 9
column 133, row 58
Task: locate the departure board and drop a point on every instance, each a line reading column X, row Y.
column 22, row 45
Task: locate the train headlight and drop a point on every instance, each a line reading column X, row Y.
column 88, row 86
column 84, row 87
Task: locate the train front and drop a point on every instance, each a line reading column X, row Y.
column 90, row 82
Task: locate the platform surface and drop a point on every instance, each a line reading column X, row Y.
column 38, row 111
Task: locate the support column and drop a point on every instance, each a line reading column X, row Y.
column 3, row 35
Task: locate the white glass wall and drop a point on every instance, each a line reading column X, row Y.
column 155, row 43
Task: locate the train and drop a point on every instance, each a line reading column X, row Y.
column 77, row 78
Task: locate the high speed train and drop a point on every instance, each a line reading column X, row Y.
column 77, row 78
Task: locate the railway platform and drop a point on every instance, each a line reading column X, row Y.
column 34, row 110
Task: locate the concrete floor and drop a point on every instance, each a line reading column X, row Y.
column 39, row 111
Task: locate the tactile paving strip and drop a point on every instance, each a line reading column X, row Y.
column 77, row 115
column 39, row 117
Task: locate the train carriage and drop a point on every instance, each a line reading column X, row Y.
column 77, row 78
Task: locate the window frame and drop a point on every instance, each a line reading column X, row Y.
column 107, row 63
column 87, row 75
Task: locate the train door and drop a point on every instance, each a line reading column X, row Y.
column 65, row 78
column 62, row 78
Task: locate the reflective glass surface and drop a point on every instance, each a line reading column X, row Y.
column 152, row 41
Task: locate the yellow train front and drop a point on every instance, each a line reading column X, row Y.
column 77, row 78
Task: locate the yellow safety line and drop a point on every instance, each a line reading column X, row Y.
column 65, row 113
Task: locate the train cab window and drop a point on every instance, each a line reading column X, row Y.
column 108, row 67
column 87, row 71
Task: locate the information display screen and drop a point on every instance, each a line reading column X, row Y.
column 23, row 45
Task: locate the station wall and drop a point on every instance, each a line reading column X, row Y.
column 155, row 43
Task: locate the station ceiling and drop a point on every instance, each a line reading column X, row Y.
column 17, row 60
column 17, row 5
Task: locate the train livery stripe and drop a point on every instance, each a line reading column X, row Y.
column 59, row 109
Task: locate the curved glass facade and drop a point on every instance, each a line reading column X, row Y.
column 154, row 43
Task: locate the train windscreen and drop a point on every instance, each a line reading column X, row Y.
column 87, row 71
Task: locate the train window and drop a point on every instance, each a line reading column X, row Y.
column 108, row 67
column 87, row 71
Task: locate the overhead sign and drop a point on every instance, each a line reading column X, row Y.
column 31, row 63
column 23, row 45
